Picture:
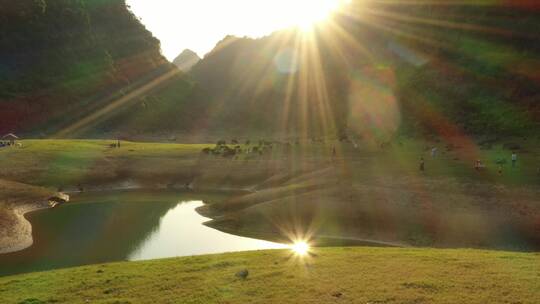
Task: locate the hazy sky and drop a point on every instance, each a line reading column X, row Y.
column 200, row 24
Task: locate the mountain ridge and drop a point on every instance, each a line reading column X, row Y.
column 469, row 69
column 186, row 60
column 376, row 70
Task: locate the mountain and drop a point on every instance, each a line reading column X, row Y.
column 186, row 60
column 89, row 68
column 380, row 68
column 68, row 65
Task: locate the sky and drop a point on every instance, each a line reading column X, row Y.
column 199, row 24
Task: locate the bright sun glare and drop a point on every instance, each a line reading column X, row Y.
column 199, row 24
column 312, row 12
column 300, row 248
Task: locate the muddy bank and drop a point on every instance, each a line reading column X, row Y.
column 16, row 230
column 141, row 185
column 328, row 208
column 16, row 200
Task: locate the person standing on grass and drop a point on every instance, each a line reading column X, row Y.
column 514, row 159
column 478, row 165
column 422, row 164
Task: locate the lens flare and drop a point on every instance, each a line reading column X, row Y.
column 300, row 248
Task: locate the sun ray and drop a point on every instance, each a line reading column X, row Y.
column 115, row 105
column 290, row 87
column 446, row 23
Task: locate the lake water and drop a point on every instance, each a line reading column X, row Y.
column 123, row 226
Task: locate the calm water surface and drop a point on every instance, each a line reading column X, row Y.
column 120, row 226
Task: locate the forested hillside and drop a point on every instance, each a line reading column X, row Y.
column 64, row 60
column 419, row 67
column 479, row 76
column 72, row 68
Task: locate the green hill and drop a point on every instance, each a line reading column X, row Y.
column 89, row 68
column 65, row 60
column 330, row 275
column 380, row 66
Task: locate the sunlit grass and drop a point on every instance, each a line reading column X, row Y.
column 61, row 162
column 351, row 275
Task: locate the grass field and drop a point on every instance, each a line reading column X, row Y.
column 64, row 163
column 56, row 163
column 330, row 275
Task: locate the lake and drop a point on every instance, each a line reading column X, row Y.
column 123, row 226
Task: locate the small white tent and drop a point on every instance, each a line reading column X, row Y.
column 11, row 137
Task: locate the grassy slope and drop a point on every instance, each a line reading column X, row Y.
column 344, row 275
column 57, row 163
column 54, row 163
column 11, row 192
column 67, row 163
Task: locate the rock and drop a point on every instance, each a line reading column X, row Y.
column 337, row 294
column 55, row 201
column 243, row 274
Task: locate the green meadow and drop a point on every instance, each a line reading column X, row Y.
column 328, row 275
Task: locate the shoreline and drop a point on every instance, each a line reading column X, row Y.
column 320, row 239
column 18, row 235
column 21, row 236
column 134, row 185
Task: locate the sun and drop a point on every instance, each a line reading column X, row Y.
column 185, row 24
column 309, row 13
column 300, row 248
